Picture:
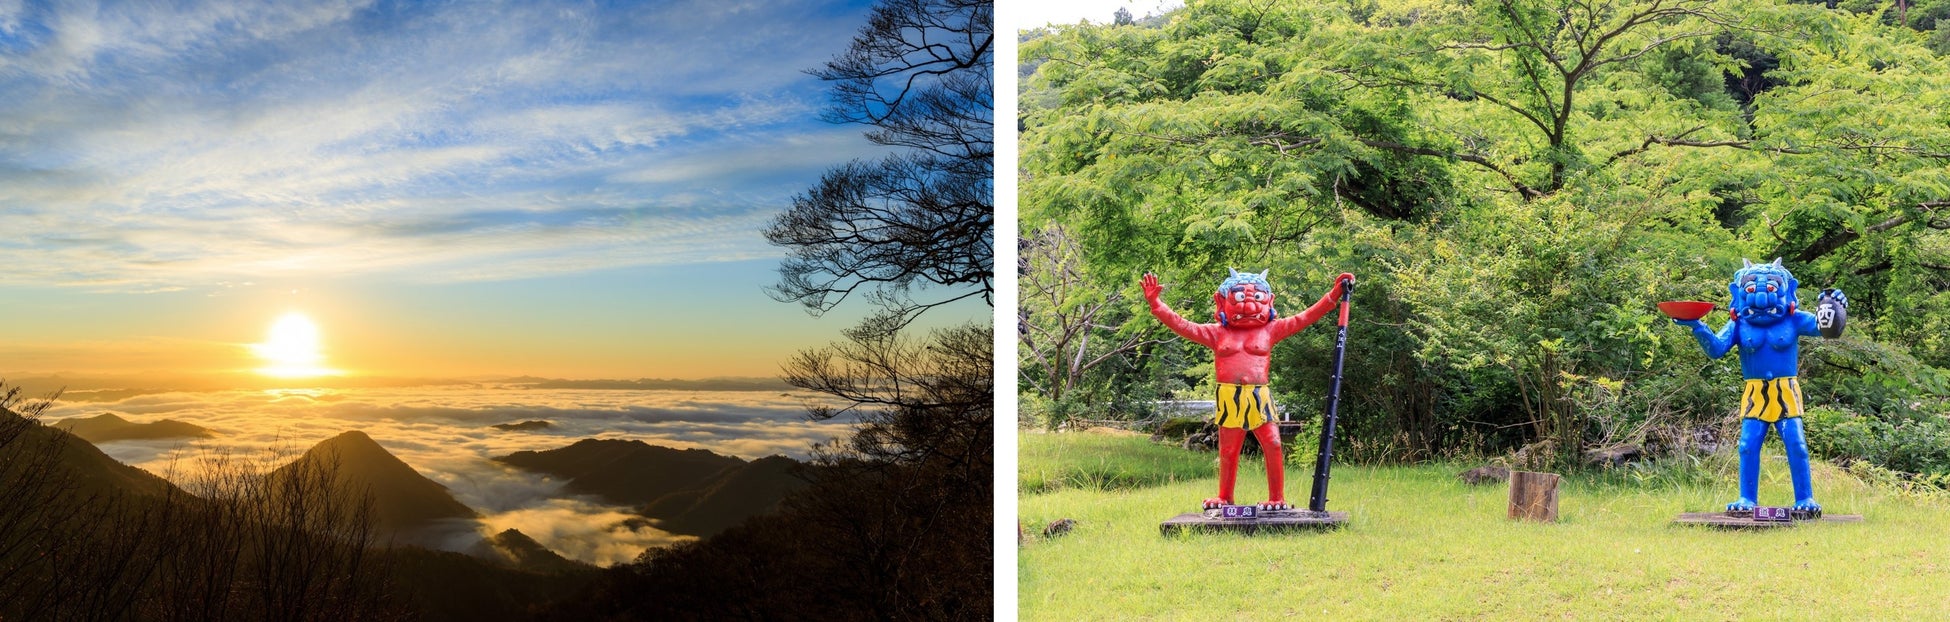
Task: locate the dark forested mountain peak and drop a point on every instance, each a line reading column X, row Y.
column 625, row 472
column 403, row 499
column 94, row 472
column 107, row 427
column 737, row 494
column 521, row 552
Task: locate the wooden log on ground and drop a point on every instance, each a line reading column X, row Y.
column 1533, row 496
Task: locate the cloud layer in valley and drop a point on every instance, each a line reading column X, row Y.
column 445, row 433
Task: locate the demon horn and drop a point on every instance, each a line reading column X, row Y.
column 1745, row 264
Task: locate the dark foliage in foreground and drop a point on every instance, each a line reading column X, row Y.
column 895, row 520
column 78, row 545
column 83, row 537
column 895, row 524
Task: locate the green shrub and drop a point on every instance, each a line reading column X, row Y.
column 1916, row 446
column 1840, row 435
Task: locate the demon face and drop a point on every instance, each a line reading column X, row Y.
column 1244, row 300
column 1763, row 293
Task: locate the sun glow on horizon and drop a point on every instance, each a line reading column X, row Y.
column 291, row 349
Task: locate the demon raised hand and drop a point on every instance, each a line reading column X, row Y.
column 1242, row 344
column 1767, row 323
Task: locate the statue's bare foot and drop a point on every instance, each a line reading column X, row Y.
column 1215, row 502
column 1275, row 504
column 1809, row 507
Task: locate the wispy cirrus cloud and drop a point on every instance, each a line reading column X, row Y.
column 146, row 146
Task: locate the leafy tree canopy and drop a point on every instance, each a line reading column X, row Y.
column 1517, row 181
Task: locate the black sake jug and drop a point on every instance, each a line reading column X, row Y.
column 1831, row 314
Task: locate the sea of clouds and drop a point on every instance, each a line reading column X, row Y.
column 445, row 433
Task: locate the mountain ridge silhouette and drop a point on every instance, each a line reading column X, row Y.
column 108, row 427
column 95, row 472
column 405, row 502
column 689, row 491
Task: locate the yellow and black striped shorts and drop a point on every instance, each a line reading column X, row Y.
column 1771, row 400
column 1244, row 406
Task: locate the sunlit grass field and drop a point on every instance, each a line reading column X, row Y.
column 1421, row 544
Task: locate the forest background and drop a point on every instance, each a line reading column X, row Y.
column 1516, row 183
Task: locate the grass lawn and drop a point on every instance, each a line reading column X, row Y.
column 1421, row 544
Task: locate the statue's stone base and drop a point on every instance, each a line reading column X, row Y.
column 1268, row 521
column 1724, row 521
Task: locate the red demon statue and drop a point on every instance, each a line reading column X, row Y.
column 1242, row 344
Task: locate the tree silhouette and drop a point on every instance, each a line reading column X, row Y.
column 916, row 404
column 919, row 74
column 904, row 503
column 894, row 522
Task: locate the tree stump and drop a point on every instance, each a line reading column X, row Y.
column 1533, row 496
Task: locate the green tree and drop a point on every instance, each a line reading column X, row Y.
column 1067, row 328
column 1516, row 181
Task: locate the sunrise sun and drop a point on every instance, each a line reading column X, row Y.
column 290, row 348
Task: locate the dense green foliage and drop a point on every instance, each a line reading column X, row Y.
column 1516, row 183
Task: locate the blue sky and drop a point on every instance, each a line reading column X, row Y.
column 411, row 163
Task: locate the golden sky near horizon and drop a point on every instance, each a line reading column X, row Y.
column 676, row 322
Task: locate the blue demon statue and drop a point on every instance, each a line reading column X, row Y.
column 1766, row 322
